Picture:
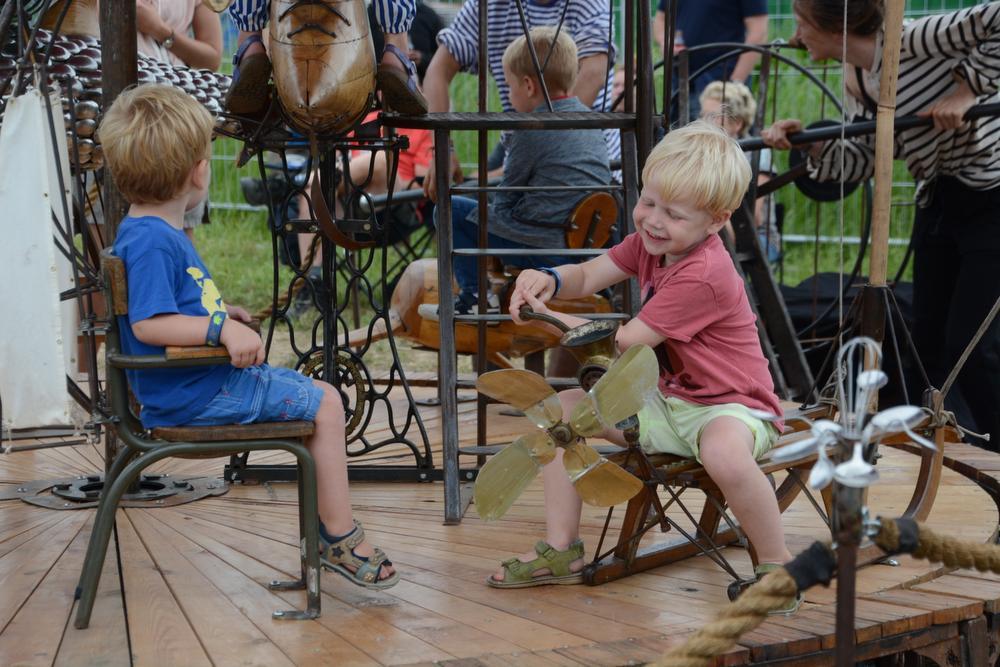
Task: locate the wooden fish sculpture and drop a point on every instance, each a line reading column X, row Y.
column 324, row 63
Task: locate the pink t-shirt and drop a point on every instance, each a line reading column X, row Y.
column 711, row 354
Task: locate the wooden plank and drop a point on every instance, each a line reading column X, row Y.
column 157, row 625
column 31, row 638
column 223, row 631
column 23, row 569
column 356, row 626
column 945, row 608
column 106, row 641
column 988, row 592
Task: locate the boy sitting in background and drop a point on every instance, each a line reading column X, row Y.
column 534, row 158
column 696, row 315
column 157, row 142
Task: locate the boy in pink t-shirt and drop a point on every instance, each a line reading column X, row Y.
column 695, row 314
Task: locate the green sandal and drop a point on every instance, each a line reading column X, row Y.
column 793, row 605
column 339, row 554
column 518, row 573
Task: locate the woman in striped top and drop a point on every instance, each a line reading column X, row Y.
column 948, row 63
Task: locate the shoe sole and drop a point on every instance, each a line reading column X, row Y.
column 543, row 580
column 249, row 94
column 396, row 93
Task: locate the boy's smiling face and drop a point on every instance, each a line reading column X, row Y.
column 672, row 228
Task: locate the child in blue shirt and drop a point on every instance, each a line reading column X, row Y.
column 157, row 142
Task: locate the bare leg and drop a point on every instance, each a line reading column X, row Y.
column 727, row 454
column 562, row 502
column 327, row 448
column 253, row 48
column 401, row 41
column 399, row 88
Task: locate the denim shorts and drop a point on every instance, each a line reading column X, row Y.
column 262, row 394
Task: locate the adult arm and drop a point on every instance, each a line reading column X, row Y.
column 659, row 23
column 824, row 159
column 204, row 50
column 443, row 68
column 971, row 35
column 756, row 33
column 592, row 78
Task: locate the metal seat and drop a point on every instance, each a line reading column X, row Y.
column 140, row 448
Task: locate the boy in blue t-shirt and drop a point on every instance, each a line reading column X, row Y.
column 157, row 142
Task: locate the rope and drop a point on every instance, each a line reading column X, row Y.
column 773, row 592
column 815, row 565
column 908, row 536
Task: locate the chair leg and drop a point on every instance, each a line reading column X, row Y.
column 97, row 548
column 300, row 583
column 309, row 540
column 123, row 459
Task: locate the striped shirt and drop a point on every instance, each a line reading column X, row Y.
column 935, row 50
column 586, row 20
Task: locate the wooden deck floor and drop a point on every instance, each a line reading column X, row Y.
column 187, row 585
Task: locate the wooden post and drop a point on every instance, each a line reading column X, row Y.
column 848, row 503
column 119, row 70
column 884, row 142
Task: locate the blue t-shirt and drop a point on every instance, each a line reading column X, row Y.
column 165, row 275
column 710, row 21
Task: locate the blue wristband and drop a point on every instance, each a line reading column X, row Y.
column 555, row 276
column 215, row 322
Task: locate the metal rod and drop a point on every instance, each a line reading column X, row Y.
column 852, row 130
column 509, row 252
column 461, row 189
column 644, row 134
column 447, row 362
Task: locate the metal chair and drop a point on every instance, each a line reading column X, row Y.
column 140, row 448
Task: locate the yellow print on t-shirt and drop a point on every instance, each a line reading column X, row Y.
column 211, row 300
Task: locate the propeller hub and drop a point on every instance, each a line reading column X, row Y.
column 562, row 434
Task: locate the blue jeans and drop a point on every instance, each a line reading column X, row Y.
column 262, row 394
column 466, row 235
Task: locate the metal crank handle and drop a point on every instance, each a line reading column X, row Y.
column 527, row 313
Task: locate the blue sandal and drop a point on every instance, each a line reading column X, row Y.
column 399, row 90
column 249, row 92
column 339, row 554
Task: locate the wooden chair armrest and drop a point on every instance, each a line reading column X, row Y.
column 175, row 352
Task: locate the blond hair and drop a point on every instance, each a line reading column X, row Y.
column 153, row 136
column 736, row 100
column 700, row 164
column 560, row 70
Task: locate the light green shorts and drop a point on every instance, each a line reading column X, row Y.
column 670, row 425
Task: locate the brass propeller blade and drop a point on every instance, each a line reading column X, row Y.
column 619, row 394
column 525, row 391
column 506, row 474
column 598, row 481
